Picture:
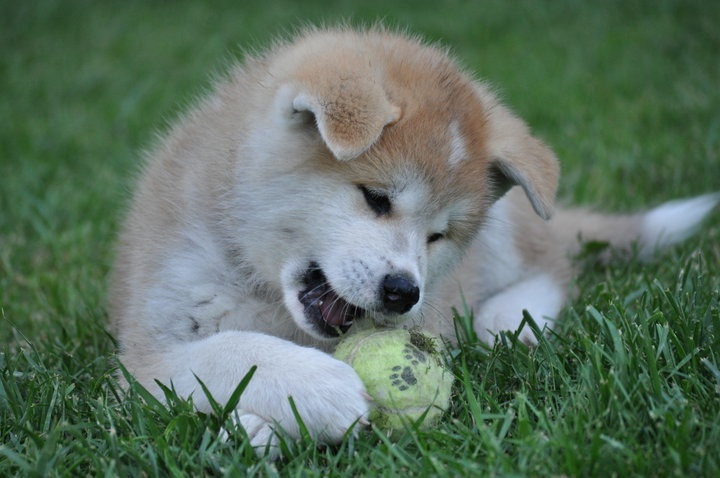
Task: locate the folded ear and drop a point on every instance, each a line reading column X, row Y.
column 518, row 158
column 350, row 114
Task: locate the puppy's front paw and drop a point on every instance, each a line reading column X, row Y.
column 328, row 396
column 259, row 431
column 488, row 327
column 344, row 394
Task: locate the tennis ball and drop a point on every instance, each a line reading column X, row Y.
column 403, row 373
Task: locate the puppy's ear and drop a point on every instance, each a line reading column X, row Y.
column 518, row 158
column 350, row 114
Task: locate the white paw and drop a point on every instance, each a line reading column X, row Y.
column 260, row 433
column 328, row 395
column 539, row 295
column 488, row 327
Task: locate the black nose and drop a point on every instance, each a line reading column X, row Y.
column 399, row 293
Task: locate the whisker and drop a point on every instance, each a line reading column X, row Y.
column 316, row 288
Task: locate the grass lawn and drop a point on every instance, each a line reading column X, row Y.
column 628, row 94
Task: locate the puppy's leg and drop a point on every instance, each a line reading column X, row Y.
column 541, row 295
column 328, row 394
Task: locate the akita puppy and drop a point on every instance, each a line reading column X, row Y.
column 344, row 177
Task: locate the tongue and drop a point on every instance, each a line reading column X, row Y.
column 333, row 308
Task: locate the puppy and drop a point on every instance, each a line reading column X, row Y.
column 342, row 179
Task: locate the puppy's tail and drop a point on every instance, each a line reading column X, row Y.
column 673, row 222
column 645, row 233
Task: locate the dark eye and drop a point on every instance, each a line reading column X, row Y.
column 434, row 237
column 378, row 202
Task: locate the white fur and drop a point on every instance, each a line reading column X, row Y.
column 502, row 263
column 335, row 401
column 540, row 295
column 674, row 222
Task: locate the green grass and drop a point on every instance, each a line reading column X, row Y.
column 626, row 92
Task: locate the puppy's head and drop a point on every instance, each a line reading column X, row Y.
column 374, row 169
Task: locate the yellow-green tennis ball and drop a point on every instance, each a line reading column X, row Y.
column 403, row 373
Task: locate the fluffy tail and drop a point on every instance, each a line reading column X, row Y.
column 674, row 222
column 647, row 232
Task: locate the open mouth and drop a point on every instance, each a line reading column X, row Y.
column 330, row 313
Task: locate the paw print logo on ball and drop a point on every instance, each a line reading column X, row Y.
column 403, row 377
